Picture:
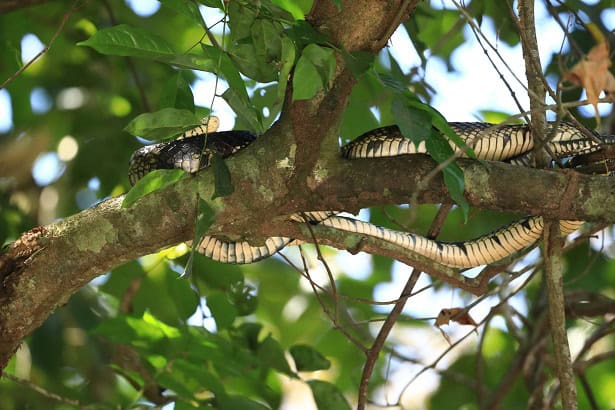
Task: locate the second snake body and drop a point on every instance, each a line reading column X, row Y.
column 509, row 143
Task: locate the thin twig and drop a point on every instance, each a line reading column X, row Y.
column 131, row 66
column 23, row 68
column 42, row 391
column 387, row 326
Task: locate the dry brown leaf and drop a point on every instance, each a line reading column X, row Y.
column 459, row 315
column 592, row 73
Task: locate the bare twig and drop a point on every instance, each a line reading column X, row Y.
column 374, row 351
column 131, row 65
column 42, row 391
column 23, row 68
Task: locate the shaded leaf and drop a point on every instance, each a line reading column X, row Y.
column 227, row 69
column 222, row 309
column 188, row 9
column 177, row 93
column 413, row 123
column 272, row 355
column 313, row 72
column 308, row 359
column 239, row 402
column 327, row 396
column 244, row 109
column 223, row 185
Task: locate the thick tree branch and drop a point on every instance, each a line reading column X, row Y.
column 41, row 274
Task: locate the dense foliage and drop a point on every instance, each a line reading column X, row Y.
column 230, row 336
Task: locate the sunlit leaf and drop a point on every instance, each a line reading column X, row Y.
column 154, row 181
column 163, row 123
column 124, row 40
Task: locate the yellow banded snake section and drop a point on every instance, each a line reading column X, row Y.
column 193, row 151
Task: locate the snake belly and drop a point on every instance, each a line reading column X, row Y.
column 193, row 151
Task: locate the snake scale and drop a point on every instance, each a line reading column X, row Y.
column 510, row 143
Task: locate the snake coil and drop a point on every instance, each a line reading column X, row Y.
column 511, row 143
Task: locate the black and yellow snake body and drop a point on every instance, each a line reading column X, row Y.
column 511, row 143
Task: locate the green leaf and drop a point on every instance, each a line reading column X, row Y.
column 358, row 62
column 323, row 58
column 240, row 22
column 271, row 354
column 266, row 39
column 188, row 9
column 223, row 185
column 190, row 61
column 244, row 109
column 221, row 309
column 413, row 123
column 287, row 61
column 440, row 31
column 177, row 93
column 314, row 71
column 239, row 402
column 227, row 69
column 306, row 80
column 154, row 181
column 163, row 123
column 214, row 4
column 406, row 108
column 308, row 359
column 187, row 379
column 441, row 151
column 245, row 299
column 327, row 396
column 143, row 332
column 244, row 55
column 124, row 40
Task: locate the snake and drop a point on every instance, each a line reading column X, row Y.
column 194, row 150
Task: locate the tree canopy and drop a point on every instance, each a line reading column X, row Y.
column 104, row 305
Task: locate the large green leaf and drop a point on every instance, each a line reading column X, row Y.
column 163, row 123
column 124, row 40
column 313, row 72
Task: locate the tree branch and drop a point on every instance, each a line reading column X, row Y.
column 39, row 274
